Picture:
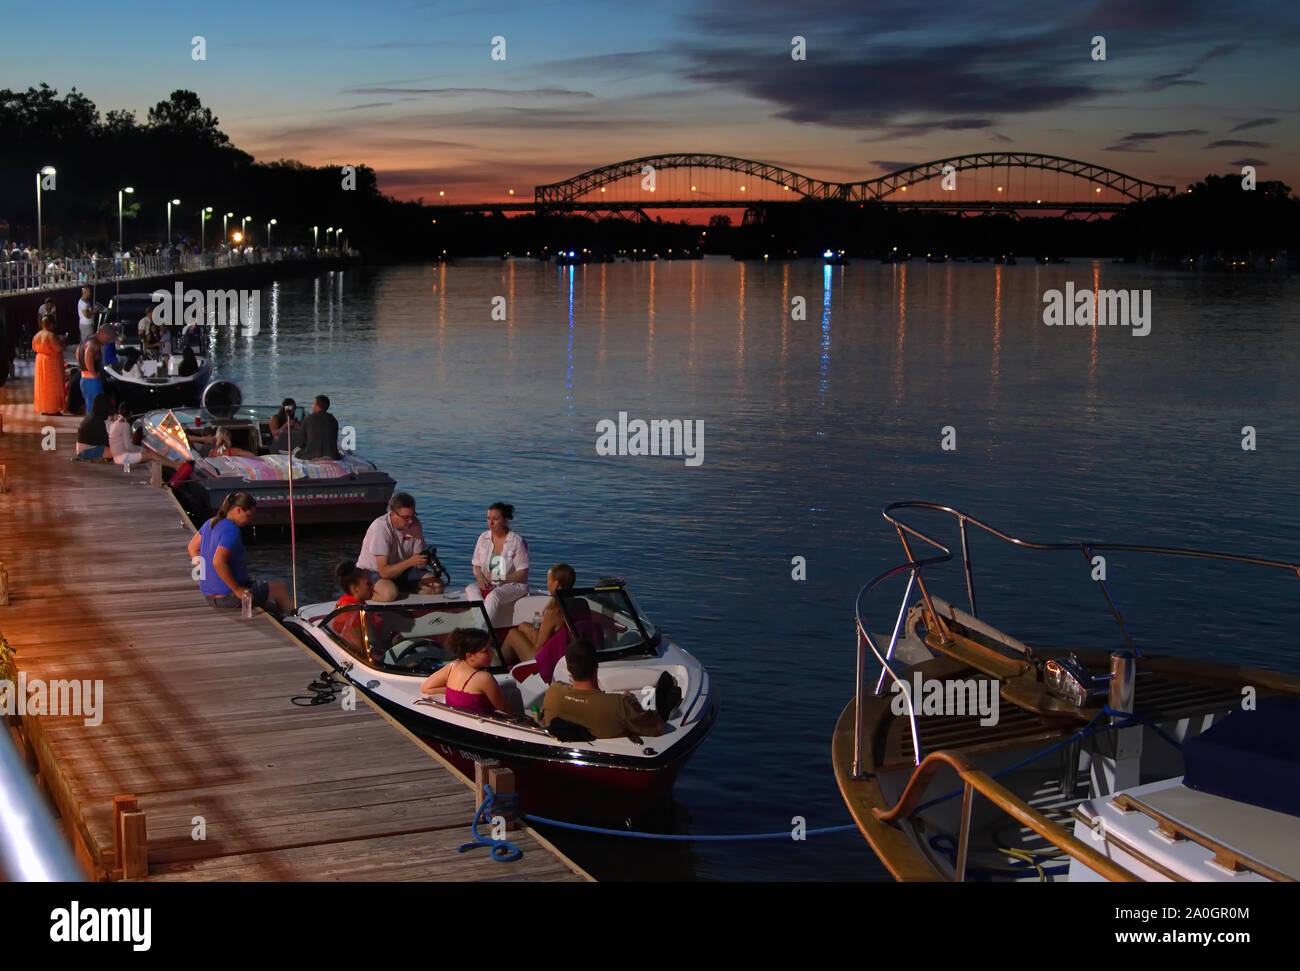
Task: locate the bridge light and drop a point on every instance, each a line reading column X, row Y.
column 441, row 192
column 692, row 188
column 602, row 188
column 786, row 188
column 904, row 188
column 1038, row 202
column 999, row 188
column 1098, row 188
column 742, row 188
column 511, row 192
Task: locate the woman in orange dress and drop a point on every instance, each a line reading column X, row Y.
column 48, row 395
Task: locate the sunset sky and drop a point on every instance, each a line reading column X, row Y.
column 410, row 88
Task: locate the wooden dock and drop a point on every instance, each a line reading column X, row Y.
column 197, row 722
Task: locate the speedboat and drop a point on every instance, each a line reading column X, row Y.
column 135, row 378
column 392, row 647
column 978, row 756
column 324, row 491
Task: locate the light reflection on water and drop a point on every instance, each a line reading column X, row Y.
column 1060, row 434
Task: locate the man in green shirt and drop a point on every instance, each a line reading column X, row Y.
column 583, row 703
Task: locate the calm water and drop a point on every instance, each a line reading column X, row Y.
column 810, row 428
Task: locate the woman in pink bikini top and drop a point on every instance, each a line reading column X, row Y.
column 468, row 684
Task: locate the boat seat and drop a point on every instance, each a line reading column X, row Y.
column 522, row 671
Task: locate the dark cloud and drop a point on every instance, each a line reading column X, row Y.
column 1136, row 141
column 1254, row 123
column 503, row 92
column 887, row 166
column 1238, row 143
column 1249, row 161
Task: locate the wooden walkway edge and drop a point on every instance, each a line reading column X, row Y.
column 235, row 782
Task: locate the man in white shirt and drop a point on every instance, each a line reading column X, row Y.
column 391, row 552
column 85, row 315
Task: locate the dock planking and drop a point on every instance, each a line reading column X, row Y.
column 197, row 720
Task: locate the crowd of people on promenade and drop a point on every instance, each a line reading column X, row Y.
column 391, row 564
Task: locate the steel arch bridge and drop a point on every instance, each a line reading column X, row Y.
column 569, row 191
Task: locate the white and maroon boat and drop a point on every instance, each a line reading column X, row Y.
column 601, row 780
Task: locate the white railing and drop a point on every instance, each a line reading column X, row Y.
column 18, row 276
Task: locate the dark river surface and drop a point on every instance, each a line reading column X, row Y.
column 811, row 427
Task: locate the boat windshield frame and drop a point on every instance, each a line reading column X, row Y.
column 604, row 592
column 244, row 414
column 413, row 612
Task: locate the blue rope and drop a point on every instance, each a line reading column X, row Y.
column 502, row 851
column 688, row 837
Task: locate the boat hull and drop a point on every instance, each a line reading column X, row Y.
column 146, row 396
column 355, row 499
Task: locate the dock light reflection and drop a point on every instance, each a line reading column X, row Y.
column 568, row 373
column 826, row 333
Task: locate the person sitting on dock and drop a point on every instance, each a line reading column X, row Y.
column 500, row 563
column 320, row 432
column 476, row 690
column 92, row 433
column 392, row 552
column 583, row 703
column 523, row 643
column 222, row 577
column 123, row 450
column 357, row 588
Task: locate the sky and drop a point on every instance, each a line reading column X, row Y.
column 412, row 90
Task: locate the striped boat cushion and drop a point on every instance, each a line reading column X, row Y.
column 272, row 467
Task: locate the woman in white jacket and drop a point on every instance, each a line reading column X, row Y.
column 500, row 565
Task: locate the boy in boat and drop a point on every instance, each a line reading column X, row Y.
column 583, row 703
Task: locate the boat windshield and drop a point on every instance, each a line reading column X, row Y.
column 407, row 638
column 609, row 617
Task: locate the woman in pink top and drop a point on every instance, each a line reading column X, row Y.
column 468, row 684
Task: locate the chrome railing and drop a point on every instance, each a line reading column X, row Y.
column 31, row 846
column 915, row 567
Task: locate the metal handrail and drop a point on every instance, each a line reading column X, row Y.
column 945, row 555
column 31, row 846
column 973, row 780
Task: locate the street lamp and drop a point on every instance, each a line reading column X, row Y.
column 48, row 170
column 314, row 236
column 173, row 202
column 269, row 224
column 242, row 231
column 203, row 225
column 338, row 237
column 329, row 231
column 121, row 243
column 225, row 234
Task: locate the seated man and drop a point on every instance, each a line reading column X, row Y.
column 320, row 432
column 392, row 552
column 583, row 703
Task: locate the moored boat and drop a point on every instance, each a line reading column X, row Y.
column 974, row 755
column 325, row 491
column 603, row 779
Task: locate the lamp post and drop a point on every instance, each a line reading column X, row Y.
column 338, row 236
column 203, row 226
column 173, row 202
column 225, row 229
column 314, row 237
column 47, row 170
column 329, row 231
column 269, row 224
column 121, row 243
column 242, row 231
